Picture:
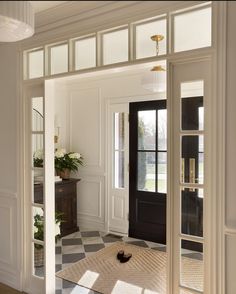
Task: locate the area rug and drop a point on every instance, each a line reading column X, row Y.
column 145, row 272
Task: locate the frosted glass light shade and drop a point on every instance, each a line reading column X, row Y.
column 16, row 20
column 154, row 81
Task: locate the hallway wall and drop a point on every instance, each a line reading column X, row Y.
column 10, row 202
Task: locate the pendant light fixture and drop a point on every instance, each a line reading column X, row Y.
column 16, row 20
column 155, row 80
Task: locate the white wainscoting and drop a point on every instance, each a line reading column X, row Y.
column 90, row 202
column 9, row 269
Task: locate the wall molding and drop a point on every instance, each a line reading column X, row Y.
column 99, row 182
column 9, row 209
column 85, row 223
column 4, row 193
column 10, row 277
column 97, row 165
column 68, row 19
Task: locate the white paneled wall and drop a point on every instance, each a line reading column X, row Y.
column 86, row 128
column 82, row 107
column 10, row 202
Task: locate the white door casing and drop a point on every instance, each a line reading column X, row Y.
column 118, row 197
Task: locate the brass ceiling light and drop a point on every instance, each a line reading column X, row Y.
column 155, row 80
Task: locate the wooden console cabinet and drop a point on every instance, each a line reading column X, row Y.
column 65, row 202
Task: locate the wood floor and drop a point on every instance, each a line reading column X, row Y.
column 7, row 290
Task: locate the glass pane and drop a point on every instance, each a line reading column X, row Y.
column 162, row 172
column 147, row 130
column 192, row 105
column 85, row 53
column 192, row 161
column 59, row 59
column 37, row 114
column 119, row 169
column 145, row 47
column 119, row 125
column 38, row 224
column 36, row 64
column 37, row 150
column 38, row 185
column 146, row 171
column 201, row 118
column 230, row 263
column 191, row 269
column 162, row 129
column 192, row 30
column 38, row 258
column 115, row 47
column 192, row 211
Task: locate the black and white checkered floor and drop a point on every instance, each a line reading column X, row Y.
column 77, row 246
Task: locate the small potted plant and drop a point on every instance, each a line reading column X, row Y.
column 39, row 233
column 67, row 162
column 38, row 158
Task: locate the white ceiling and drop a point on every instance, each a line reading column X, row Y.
column 44, row 5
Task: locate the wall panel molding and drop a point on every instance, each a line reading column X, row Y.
column 7, row 194
column 8, row 246
column 95, row 186
column 81, row 97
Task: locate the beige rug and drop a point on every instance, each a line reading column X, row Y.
column 145, row 272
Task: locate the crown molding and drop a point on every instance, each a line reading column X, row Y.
column 79, row 18
column 74, row 11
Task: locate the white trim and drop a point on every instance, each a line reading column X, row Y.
column 122, row 13
column 192, row 291
column 219, row 67
column 229, row 231
column 8, row 194
column 219, row 64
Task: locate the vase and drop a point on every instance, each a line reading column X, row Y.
column 38, row 257
column 64, row 174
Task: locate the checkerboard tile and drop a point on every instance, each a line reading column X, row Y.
column 78, row 245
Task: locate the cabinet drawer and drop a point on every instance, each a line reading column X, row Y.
column 65, row 189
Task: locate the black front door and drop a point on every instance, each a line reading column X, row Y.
column 148, row 170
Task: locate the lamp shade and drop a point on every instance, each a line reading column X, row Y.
column 16, row 20
column 155, row 80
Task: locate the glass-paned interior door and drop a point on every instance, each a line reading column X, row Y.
column 191, row 177
column 40, row 192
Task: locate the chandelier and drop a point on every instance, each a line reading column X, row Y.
column 16, row 20
column 155, row 80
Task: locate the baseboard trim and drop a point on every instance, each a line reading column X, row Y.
column 11, row 279
column 90, row 224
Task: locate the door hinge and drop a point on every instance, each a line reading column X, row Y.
column 128, row 117
column 128, row 216
column 128, row 167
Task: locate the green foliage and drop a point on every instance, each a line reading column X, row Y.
column 38, row 162
column 39, row 227
column 68, row 161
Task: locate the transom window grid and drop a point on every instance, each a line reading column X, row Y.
column 131, row 53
